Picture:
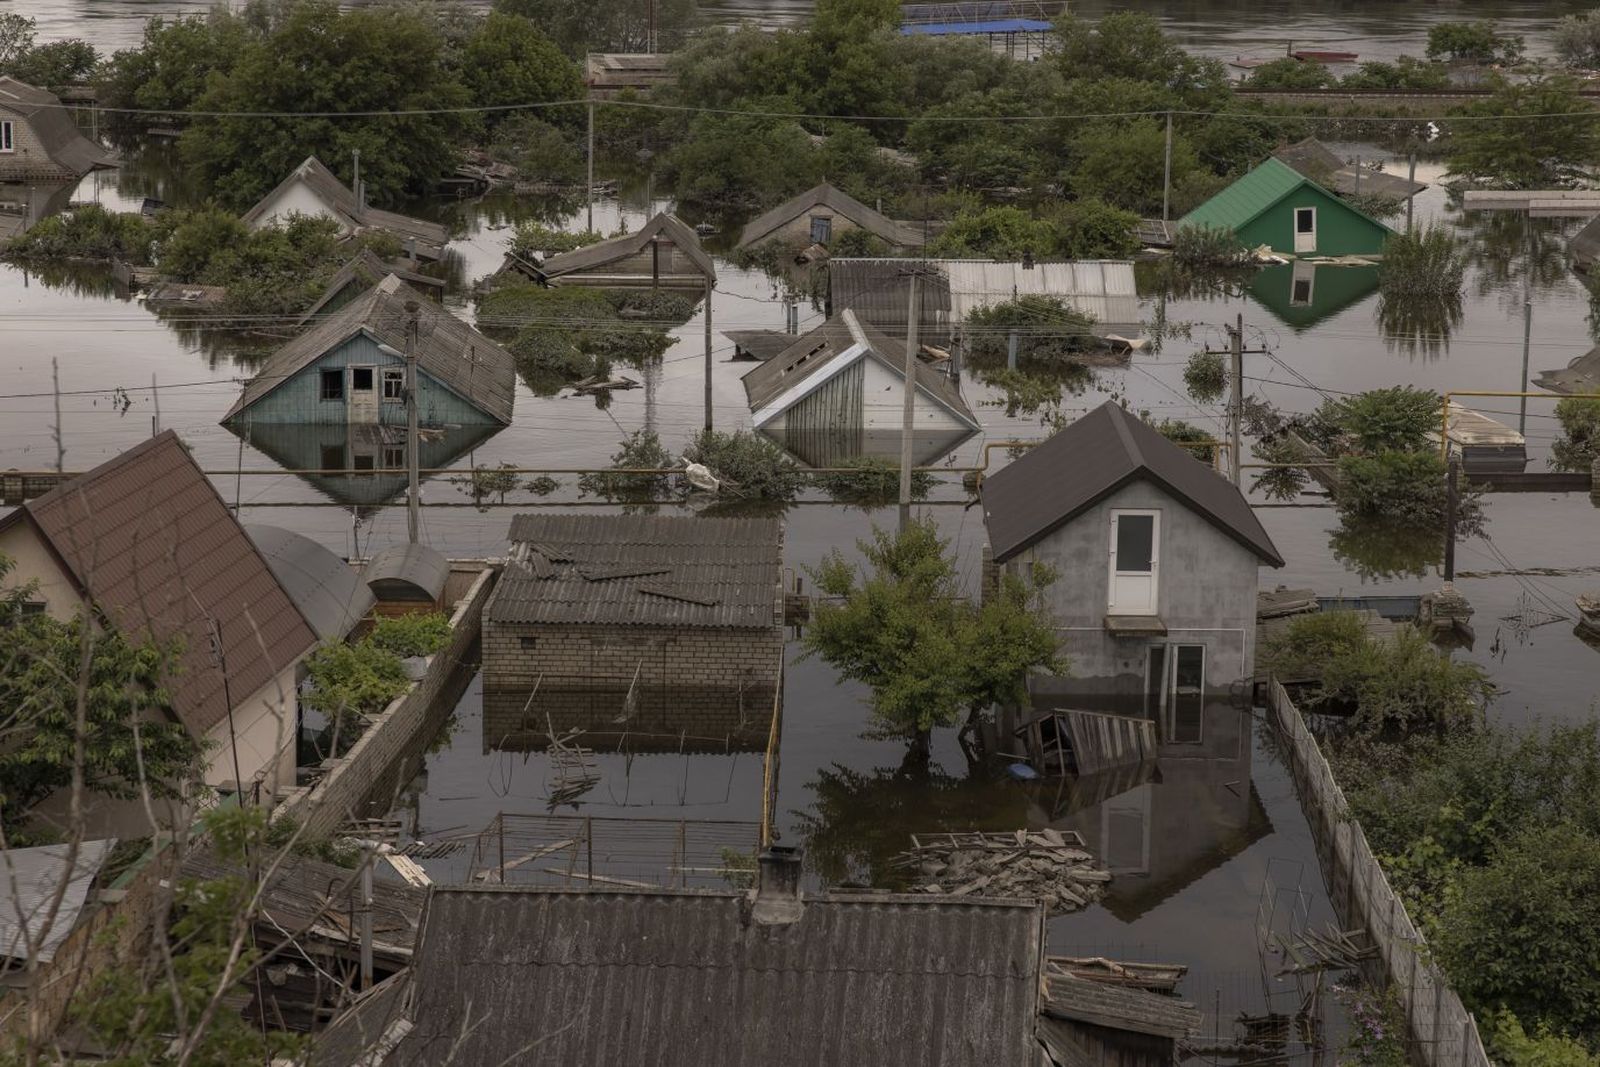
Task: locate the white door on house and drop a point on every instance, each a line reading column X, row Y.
column 1305, row 229
column 1135, row 562
column 363, row 404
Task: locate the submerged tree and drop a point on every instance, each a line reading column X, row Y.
column 928, row 654
column 1526, row 135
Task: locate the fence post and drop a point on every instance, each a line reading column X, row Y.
column 1438, row 1014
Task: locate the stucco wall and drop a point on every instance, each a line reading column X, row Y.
column 264, row 725
column 28, row 160
column 604, row 656
column 295, row 199
column 1206, row 596
column 33, row 562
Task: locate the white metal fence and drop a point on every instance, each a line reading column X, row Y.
column 1444, row 1033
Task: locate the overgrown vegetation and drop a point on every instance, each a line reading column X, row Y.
column 1206, row 376
column 871, row 482
column 415, row 634
column 749, row 466
column 1546, row 139
column 1478, row 42
column 352, row 681
column 642, row 450
column 564, row 334
column 1423, row 264
column 1208, row 246
column 87, row 232
column 1082, row 229
column 1579, row 444
column 1577, row 40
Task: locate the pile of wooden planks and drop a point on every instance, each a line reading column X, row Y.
column 1048, row 865
column 1331, row 949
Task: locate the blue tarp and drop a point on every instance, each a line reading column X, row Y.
column 941, row 29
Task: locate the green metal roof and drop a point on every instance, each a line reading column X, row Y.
column 1247, row 198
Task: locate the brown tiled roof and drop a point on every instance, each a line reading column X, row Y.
column 152, row 545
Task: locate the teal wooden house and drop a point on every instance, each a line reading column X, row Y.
column 1276, row 206
column 349, row 369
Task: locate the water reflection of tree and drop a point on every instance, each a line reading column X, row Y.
column 1511, row 251
column 1418, row 325
column 1378, row 550
column 860, row 820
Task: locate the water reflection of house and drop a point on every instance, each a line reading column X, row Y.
column 1303, row 293
column 21, row 206
column 378, row 453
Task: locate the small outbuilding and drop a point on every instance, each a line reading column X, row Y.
column 821, row 214
column 313, row 189
column 39, row 140
column 363, row 271
column 1277, row 206
column 407, row 577
column 350, row 368
column 325, row 588
column 652, row 600
column 664, row 253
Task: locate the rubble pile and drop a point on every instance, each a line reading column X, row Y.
column 1048, row 865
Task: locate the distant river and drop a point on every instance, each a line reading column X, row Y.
column 1377, row 29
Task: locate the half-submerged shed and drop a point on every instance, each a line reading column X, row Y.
column 349, row 368
column 1320, row 163
column 1277, row 206
column 313, row 189
column 363, row 271
column 663, row 253
column 819, row 215
column 725, row 978
column 1088, row 1023
column 325, row 588
column 38, row 139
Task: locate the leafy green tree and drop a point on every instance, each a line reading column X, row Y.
column 509, row 61
column 16, row 37
column 999, row 232
column 1577, row 40
column 540, row 151
column 1122, row 164
column 172, row 66
column 1526, row 135
column 928, row 655
column 1129, row 44
column 579, row 27
column 55, row 64
column 1407, row 72
column 741, row 161
column 1579, row 444
column 1090, row 228
column 1398, row 417
column 1479, row 42
column 1290, row 73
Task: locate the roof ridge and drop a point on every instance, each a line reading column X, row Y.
column 1119, row 416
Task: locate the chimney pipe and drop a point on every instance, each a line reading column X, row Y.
column 777, row 894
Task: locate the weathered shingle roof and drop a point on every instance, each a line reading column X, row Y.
column 668, row 227
column 340, row 199
column 448, row 350
column 1318, row 162
column 1247, row 198
column 901, row 234
column 679, row 978
column 659, row 570
column 368, row 270
column 785, row 379
column 1118, row 1007
column 152, row 545
column 1095, row 456
column 52, row 124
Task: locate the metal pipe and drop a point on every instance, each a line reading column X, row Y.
column 366, row 918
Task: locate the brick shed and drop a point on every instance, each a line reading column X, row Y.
column 608, row 601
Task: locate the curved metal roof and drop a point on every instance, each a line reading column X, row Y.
column 407, row 572
column 331, row 595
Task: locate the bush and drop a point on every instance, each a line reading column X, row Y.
column 1050, row 334
column 1480, row 42
column 1579, row 444
column 538, row 150
column 1206, row 376
column 872, row 482
column 1209, row 246
column 1199, row 443
column 1087, row 228
column 535, row 238
column 1407, row 72
column 748, row 465
column 1513, row 1046
column 1423, row 264
column 1396, row 418
column 405, row 636
column 87, row 232
column 1577, row 40
column 1403, row 487
column 1403, row 686
column 1312, row 641
column 1290, row 73
column 641, row 451
column 353, row 679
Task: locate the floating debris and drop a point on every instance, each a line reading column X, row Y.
column 1049, row 865
column 1330, row 950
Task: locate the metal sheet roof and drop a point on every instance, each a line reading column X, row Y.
column 35, row 874
column 825, row 195
column 52, row 123
column 1582, row 375
column 678, row 977
column 655, row 570
column 328, row 592
column 153, row 546
column 1101, row 452
column 1269, row 182
column 407, row 571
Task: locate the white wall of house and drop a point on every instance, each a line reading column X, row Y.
column 882, row 405
column 296, row 198
column 264, row 726
column 34, row 562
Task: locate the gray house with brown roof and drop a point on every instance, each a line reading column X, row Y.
column 39, row 141
column 821, row 214
column 144, row 541
column 312, row 189
column 1156, row 558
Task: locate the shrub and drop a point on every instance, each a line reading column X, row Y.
column 1311, row 641
column 641, row 451
column 420, row 634
column 1403, row 686
column 1579, row 444
column 1479, row 42
column 1424, row 263
column 538, row 150
column 353, row 680
column 1577, row 40
column 1407, row 488
column 535, row 238
column 1290, row 73
column 1050, row 333
column 1407, row 72
column 1208, row 246
column 1199, row 443
column 1396, row 418
column 87, row 232
column 1206, row 376
column 872, row 482
column 1513, row 1046
column 748, row 465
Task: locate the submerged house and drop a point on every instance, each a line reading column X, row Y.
column 839, row 390
column 363, row 271
column 349, row 369
column 313, row 189
column 39, row 140
column 769, row 976
column 1320, row 163
column 145, row 542
column 1277, row 206
column 663, row 253
column 821, row 214
column 1156, row 557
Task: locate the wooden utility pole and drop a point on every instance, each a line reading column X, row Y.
column 1166, row 175
column 61, row 448
column 589, row 199
column 708, row 354
column 414, row 491
column 1411, row 176
column 1236, row 406
column 908, row 420
column 1450, row 521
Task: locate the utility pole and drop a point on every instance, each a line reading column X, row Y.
column 355, row 178
column 708, row 353
column 590, row 198
column 155, row 398
column 414, row 492
column 61, row 448
column 1527, row 327
column 908, row 420
column 1236, row 407
column 1450, row 521
column 1411, row 176
column 1166, row 175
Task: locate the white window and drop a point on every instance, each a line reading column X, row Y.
column 1305, row 229
column 1135, row 562
column 394, row 386
column 1175, row 692
column 7, row 144
column 1302, row 284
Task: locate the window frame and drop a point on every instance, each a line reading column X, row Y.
column 1162, row 706
column 1155, row 562
column 1312, row 211
column 823, row 223
column 8, row 136
column 333, row 376
column 396, row 377
column 372, row 379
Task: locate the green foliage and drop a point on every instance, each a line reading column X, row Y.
column 1130, row 45
column 1378, row 1028
column 583, row 26
column 54, row 65
column 172, row 66
column 871, row 482
column 87, row 232
column 642, row 450
column 509, row 61
column 1379, row 549
column 1199, row 443
column 564, row 334
column 360, row 679
column 1407, row 488
column 1523, row 152
column 1206, row 376
column 539, row 150
column 1078, row 229
column 1208, row 246
column 749, row 466
column 740, row 161
column 1122, row 163
column 1579, row 444
column 1399, row 417
column 16, row 38
column 126, row 695
column 1311, row 641
column 533, row 237
column 1407, row 72
column 1479, row 42
column 1288, row 72
column 1513, row 1046
column 1050, row 333
column 1423, row 264
column 1577, row 40
column 904, row 631
column 418, row 634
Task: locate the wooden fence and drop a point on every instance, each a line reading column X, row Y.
column 1443, row 1032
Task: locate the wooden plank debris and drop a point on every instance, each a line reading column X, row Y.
column 409, row 869
column 1050, row 865
column 1330, row 949
column 1155, row 977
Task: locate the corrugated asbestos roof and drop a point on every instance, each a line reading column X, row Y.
column 325, row 588
column 668, row 227
column 654, row 570
column 448, row 350
column 343, row 202
column 669, row 978
column 36, row 875
column 1118, row 1007
column 788, row 377
column 895, row 233
column 1101, row 452
column 152, row 545
column 52, row 123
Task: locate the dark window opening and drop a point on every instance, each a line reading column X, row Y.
column 1305, row 220
column 1188, row 693
column 361, row 379
column 821, row 229
column 1135, row 542
column 333, row 457
column 394, row 385
column 528, row 642
column 394, row 458
column 1302, row 291
column 363, row 463
column 333, row 385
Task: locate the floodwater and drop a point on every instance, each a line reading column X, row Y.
column 1198, row 853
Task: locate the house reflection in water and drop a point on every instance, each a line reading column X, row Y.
column 831, row 447
column 377, row 453
column 1304, row 293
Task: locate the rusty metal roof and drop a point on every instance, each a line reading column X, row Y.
column 152, row 545
column 683, row 977
column 1095, row 456
column 653, row 570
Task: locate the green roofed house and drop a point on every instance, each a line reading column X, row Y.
column 1276, row 206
